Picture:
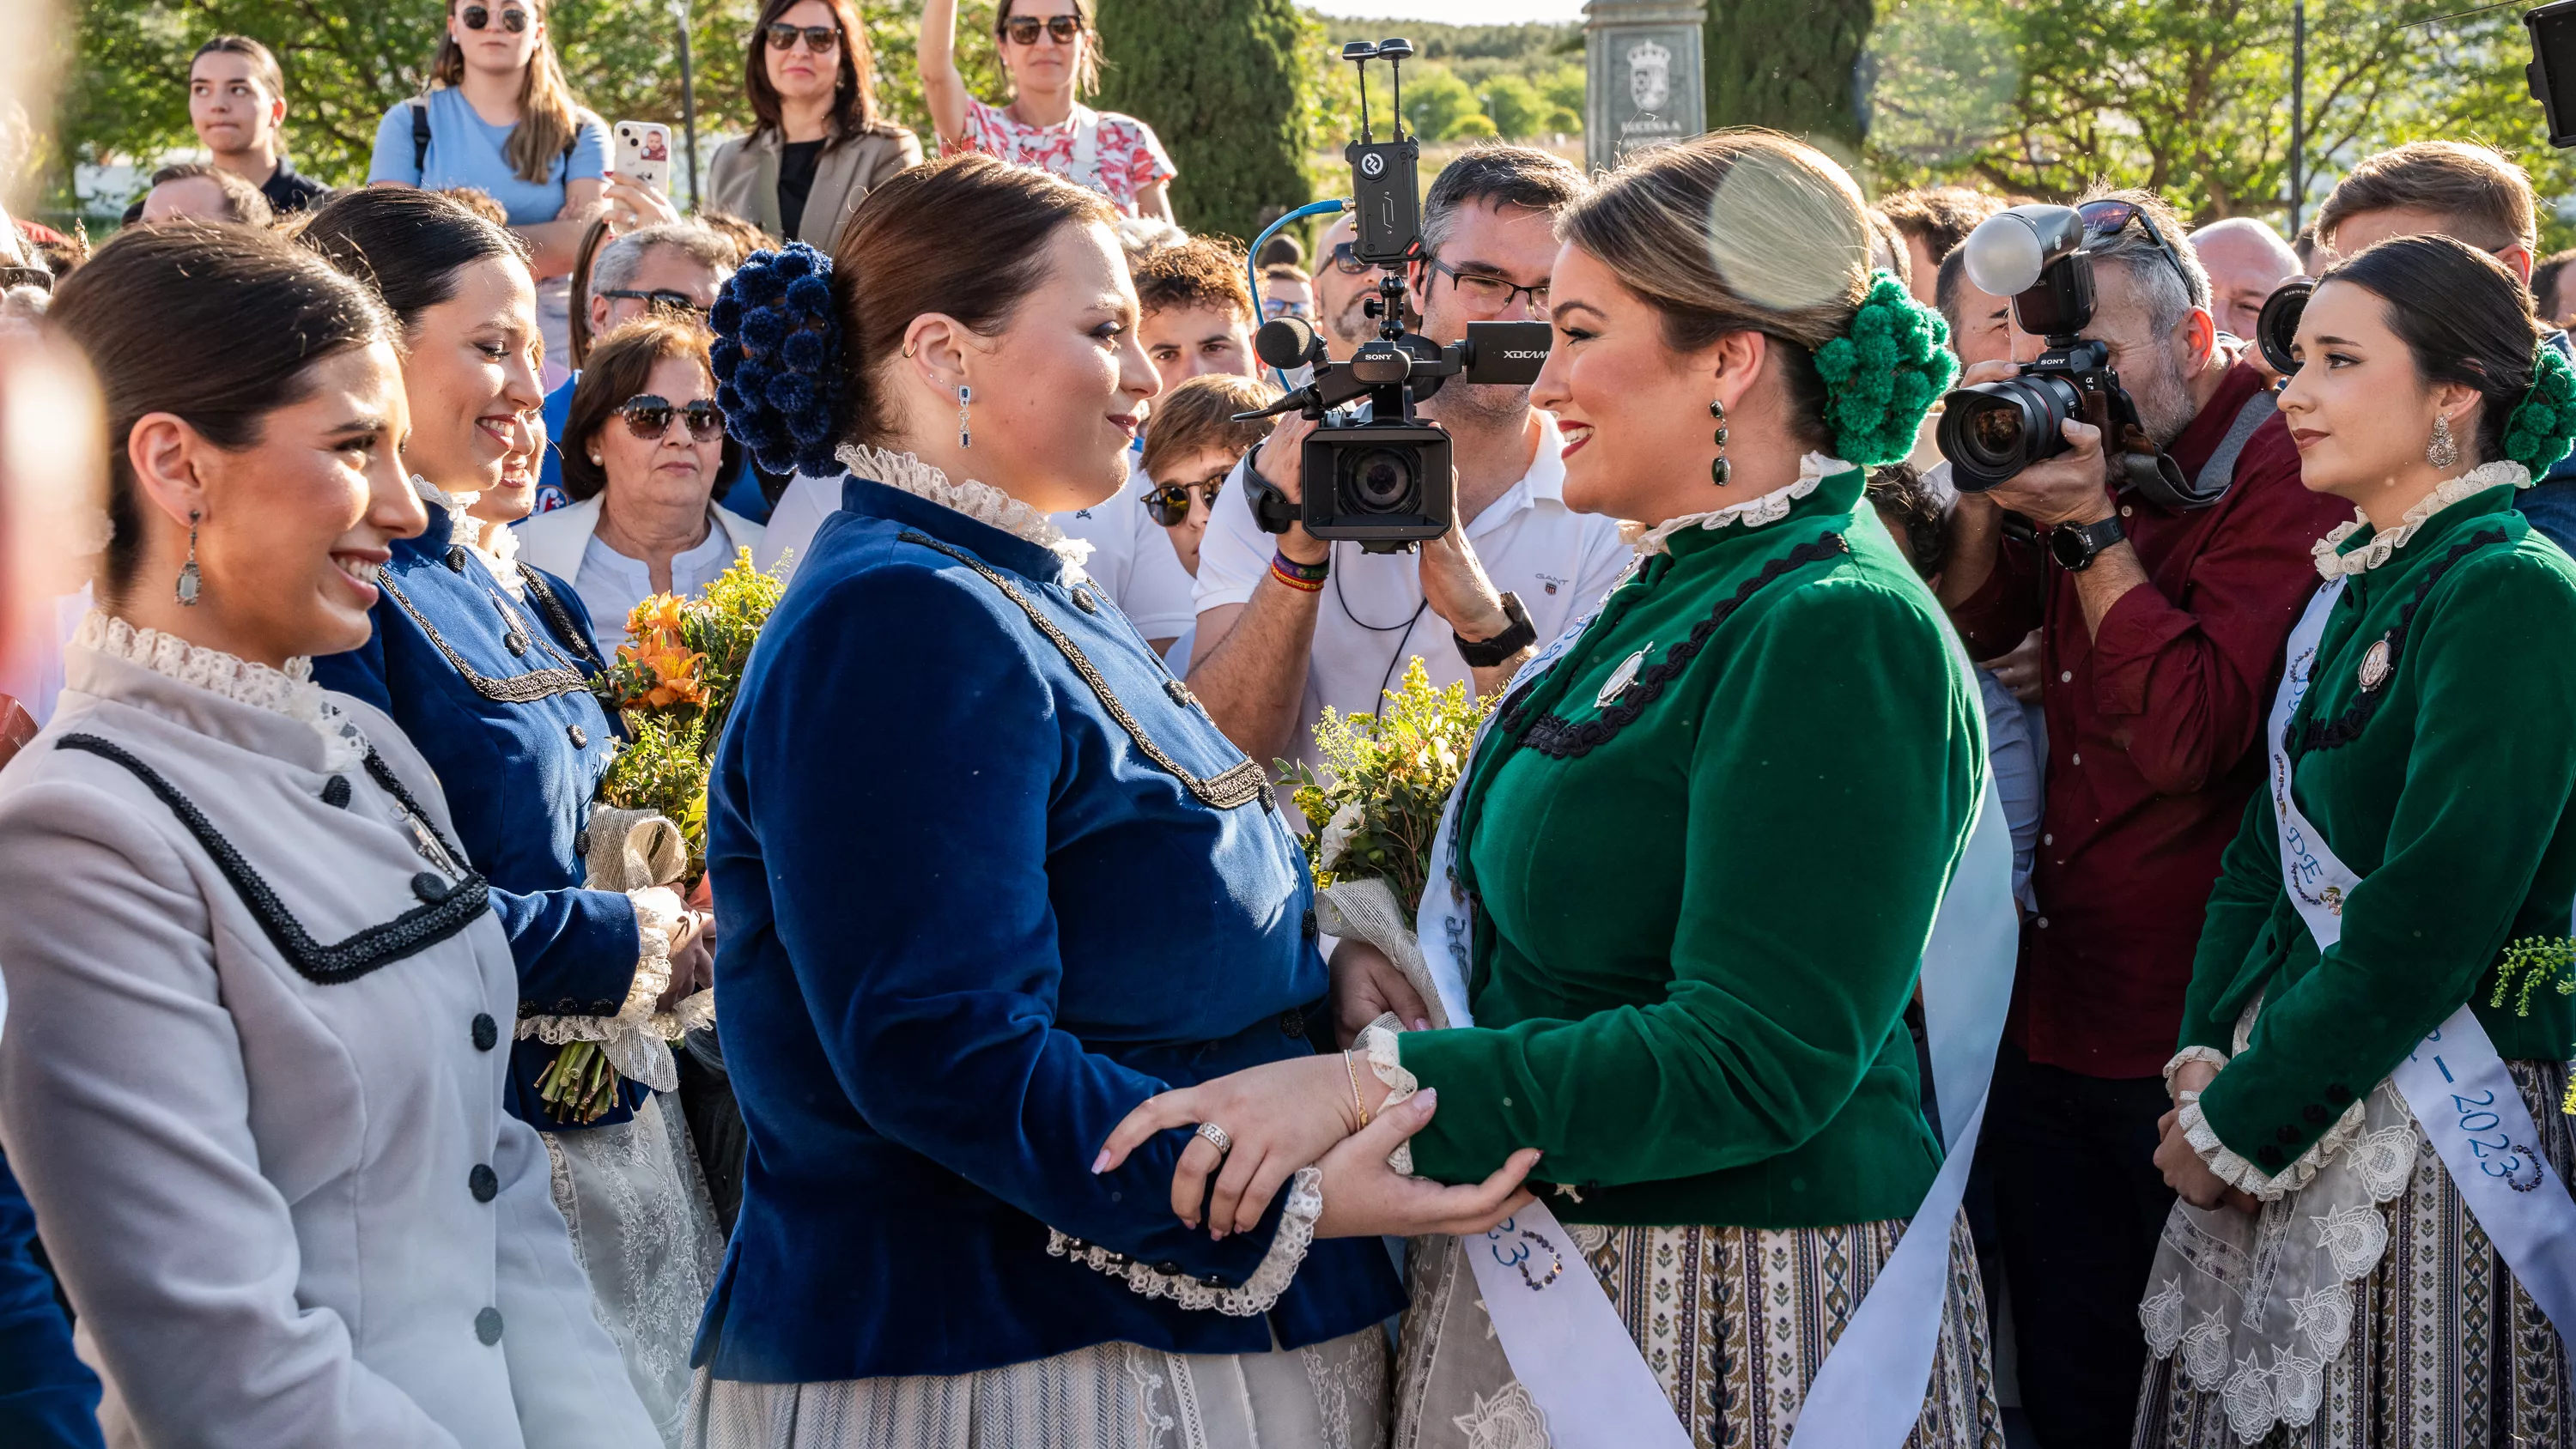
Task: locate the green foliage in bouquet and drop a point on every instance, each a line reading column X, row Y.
column 2529, row 964
column 1386, row 776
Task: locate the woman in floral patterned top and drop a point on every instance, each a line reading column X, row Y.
column 1051, row 50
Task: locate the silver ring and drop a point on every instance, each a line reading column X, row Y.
column 1216, row 1137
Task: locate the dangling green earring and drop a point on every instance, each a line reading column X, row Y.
column 1718, row 471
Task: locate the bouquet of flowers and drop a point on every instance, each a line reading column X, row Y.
column 1385, row 779
column 672, row 684
column 2529, row 964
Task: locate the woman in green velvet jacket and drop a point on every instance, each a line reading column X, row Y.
column 1704, row 848
column 2322, row 1271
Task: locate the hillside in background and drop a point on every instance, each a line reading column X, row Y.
column 1522, row 82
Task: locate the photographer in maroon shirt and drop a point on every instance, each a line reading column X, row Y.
column 2159, row 655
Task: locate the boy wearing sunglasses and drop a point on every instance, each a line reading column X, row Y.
column 1194, row 443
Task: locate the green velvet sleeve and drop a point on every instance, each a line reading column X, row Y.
column 2248, row 888
column 1832, row 766
column 2481, row 800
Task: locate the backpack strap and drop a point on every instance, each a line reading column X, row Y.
column 419, row 136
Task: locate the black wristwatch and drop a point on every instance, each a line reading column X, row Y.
column 1517, row 635
column 2075, row 546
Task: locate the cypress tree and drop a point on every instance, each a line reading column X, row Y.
column 1787, row 64
column 1225, row 84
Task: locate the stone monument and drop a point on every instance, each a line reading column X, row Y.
column 1643, row 81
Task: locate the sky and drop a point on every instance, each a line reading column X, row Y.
column 1456, row 12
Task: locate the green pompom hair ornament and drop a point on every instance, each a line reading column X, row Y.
column 1886, row 370
column 2541, row 427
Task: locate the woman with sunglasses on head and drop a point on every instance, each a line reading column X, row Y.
column 643, row 450
column 249, row 1079
column 2367, row 1137
column 1051, row 51
column 490, row 666
column 817, row 143
column 499, row 117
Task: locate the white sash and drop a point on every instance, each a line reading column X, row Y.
column 1564, row 1340
column 2453, row 1081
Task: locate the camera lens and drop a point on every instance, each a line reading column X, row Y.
column 1381, row 480
column 1993, row 430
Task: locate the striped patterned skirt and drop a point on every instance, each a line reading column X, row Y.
column 1733, row 1321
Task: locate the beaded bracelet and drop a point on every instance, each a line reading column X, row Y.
column 1308, row 577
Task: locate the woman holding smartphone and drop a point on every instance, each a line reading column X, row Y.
column 499, row 117
column 818, row 144
column 1051, row 51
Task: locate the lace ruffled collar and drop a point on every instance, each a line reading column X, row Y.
column 289, row 691
column 2383, row 546
column 979, row 501
column 498, row 548
column 1771, row 507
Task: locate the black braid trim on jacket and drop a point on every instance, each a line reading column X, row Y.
column 2344, row 728
column 408, row 934
column 1555, row 737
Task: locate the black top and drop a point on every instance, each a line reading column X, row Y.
column 288, row 192
column 796, row 163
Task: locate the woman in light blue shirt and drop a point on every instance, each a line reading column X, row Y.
column 498, row 117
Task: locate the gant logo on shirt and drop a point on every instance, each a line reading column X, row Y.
column 1551, row 582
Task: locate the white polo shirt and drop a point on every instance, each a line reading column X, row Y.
column 1132, row 558
column 1373, row 616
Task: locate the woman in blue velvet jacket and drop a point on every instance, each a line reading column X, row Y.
column 991, row 877
column 491, row 668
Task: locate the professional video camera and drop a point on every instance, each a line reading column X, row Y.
column 1382, row 480
column 1992, row 430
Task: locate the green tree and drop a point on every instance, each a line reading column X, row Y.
column 1437, row 103
column 1789, row 64
column 1564, row 90
column 1515, row 107
column 1227, row 85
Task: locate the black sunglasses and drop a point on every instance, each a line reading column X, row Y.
column 476, row 17
column 1170, row 504
column 660, row 299
column 820, row 39
column 1023, row 29
column 36, row 277
column 1346, row 261
column 649, row 417
column 2109, row 216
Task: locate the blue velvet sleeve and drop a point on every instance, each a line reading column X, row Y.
column 48, row 1398
column 905, row 782
column 570, row 945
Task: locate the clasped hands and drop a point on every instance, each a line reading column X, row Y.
column 1287, row 1115
column 2181, row 1164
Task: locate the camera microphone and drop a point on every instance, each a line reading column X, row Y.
column 1286, row 343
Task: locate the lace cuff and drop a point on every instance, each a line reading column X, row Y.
column 1377, row 1045
column 2189, row 1054
column 2236, row 1172
column 635, row 1039
column 1258, row 1293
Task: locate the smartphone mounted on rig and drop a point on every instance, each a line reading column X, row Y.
column 1383, row 480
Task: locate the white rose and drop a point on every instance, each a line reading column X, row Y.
column 1338, row 832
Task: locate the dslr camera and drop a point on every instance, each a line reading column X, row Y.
column 1381, row 478
column 1992, row 430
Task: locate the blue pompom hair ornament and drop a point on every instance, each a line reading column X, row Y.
column 777, row 359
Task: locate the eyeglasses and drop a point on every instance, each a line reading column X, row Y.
column 820, row 39
column 1489, row 293
column 1347, row 261
column 1170, row 504
column 660, row 299
column 2109, row 216
column 1023, row 29
column 649, row 417
column 1282, row 307
column 36, row 277
column 477, row 17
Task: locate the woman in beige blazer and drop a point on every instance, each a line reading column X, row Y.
column 817, row 145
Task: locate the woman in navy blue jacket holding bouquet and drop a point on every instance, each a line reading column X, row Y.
column 991, row 878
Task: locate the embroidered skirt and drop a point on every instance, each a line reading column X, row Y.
column 645, row 1233
column 1733, row 1321
column 2446, row 1350
column 1110, row 1396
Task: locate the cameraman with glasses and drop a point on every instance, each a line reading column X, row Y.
column 2161, row 634
column 1276, row 643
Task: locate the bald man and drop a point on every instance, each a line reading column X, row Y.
column 1341, row 285
column 2246, row 260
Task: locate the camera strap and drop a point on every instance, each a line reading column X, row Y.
column 2220, row 470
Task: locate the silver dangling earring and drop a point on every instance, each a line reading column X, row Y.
column 965, row 434
column 1719, row 471
column 2444, row 449
column 189, row 580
